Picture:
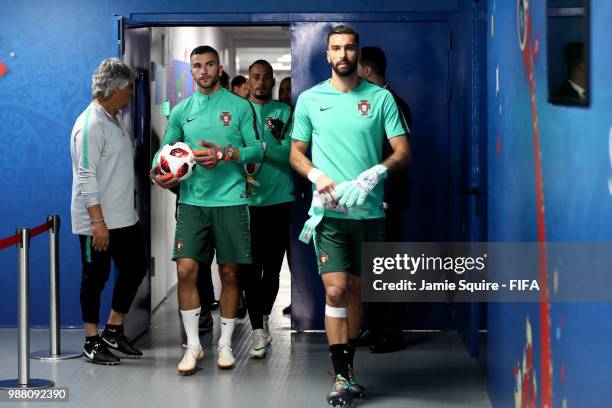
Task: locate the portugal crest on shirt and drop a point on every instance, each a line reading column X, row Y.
column 269, row 123
column 364, row 107
column 226, row 118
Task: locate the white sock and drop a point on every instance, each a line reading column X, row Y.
column 227, row 329
column 266, row 327
column 190, row 321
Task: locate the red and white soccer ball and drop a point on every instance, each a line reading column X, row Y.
column 176, row 158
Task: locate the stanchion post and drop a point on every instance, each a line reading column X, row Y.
column 54, row 299
column 54, row 329
column 23, row 309
column 23, row 323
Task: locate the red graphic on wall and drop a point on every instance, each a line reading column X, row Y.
column 364, row 106
column 530, row 54
column 525, row 386
column 3, row 69
column 226, row 118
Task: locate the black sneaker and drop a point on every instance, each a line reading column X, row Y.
column 205, row 321
column 388, row 344
column 287, row 310
column 367, row 338
column 95, row 351
column 116, row 340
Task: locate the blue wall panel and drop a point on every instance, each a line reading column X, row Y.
column 574, row 146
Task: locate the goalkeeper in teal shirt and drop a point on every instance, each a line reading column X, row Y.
column 212, row 214
column 345, row 118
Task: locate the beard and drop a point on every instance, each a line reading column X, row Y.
column 346, row 70
column 262, row 95
column 213, row 81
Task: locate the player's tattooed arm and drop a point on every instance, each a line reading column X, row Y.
column 402, row 155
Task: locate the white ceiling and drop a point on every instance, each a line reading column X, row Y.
column 280, row 58
column 270, row 43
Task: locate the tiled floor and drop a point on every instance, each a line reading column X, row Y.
column 435, row 371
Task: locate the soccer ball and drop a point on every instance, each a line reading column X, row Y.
column 176, row 158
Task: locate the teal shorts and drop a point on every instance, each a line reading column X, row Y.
column 338, row 242
column 202, row 231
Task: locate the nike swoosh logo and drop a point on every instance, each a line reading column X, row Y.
column 113, row 344
column 324, row 109
column 89, row 355
column 190, row 119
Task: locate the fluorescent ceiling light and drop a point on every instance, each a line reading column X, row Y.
column 280, row 67
column 284, row 58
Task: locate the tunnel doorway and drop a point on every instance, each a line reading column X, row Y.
column 438, row 111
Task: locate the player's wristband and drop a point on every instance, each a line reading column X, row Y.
column 314, row 174
column 96, row 221
column 226, row 153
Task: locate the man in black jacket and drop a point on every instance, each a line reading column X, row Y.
column 385, row 320
column 573, row 89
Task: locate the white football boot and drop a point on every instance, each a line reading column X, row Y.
column 193, row 354
column 226, row 358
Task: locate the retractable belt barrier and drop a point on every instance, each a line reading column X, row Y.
column 22, row 240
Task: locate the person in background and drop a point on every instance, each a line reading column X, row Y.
column 573, row 89
column 224, row 79
column 284, row 95
column 284, row 91
column 240, row 86
column 103, row 213
column 270, row 202
column 386, row 320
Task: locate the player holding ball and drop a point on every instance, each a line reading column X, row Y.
column 212, row 211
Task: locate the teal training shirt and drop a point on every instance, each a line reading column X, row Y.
column 346, row 131
column 274, row 174
column 223, row 118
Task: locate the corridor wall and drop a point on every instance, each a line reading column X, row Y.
column 549, row 180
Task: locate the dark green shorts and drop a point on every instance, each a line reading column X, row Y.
column 338, row 242
column 200, row 231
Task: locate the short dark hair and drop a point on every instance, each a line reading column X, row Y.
column 224, row 79
column 237, row 81
column 574, row 55
column 343, row 29
column 284, row 79
column 264, row 63
column 374, row 58
column 204, row 49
